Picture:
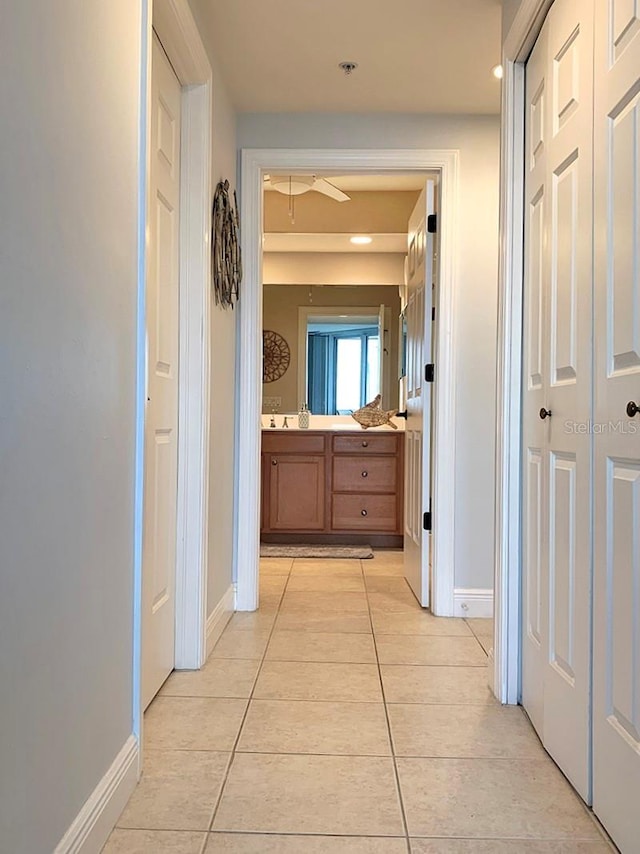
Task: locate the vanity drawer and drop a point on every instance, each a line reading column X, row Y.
column 366, row 443
column 364, row 513
column 294, row 442
column 365, row 474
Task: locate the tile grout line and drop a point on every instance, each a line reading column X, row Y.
column 386, row 715
column 528, row 759
column 475, row 704
column 287, row 833
column 232, row 755
column 430, row 756
column 321, row 661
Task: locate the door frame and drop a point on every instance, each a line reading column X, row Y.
column 506, row 676
column 178, row 33
column 254, row 163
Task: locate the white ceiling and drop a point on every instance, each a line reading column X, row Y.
column 414, row 55
column 372, row 183
column 326, row 242
column 368, row 193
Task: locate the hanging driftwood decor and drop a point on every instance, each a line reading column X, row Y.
column 226, row 260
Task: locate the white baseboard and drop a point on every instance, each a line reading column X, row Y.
column 97, row 818
column 472, row 602
column 219, row 617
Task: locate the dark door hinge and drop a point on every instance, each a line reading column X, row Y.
column 429, row 373
column 433, row 313
column 426, row 521
column 432, row 223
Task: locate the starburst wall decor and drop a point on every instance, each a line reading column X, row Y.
column 276, row 356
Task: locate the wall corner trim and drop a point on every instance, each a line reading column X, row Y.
column 219, row 617
column 91, row 827
column 473, row 602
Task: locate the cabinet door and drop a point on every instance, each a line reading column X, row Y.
column 296, row 492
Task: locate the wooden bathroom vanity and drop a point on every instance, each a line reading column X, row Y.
column 332, row 486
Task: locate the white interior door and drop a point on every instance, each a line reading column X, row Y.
column 418, row 396
column 534, row 439
column 556, row 678
column 616, row 712
column 161, row 445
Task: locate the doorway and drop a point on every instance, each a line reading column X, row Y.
column 255, row 164
column 333, row 296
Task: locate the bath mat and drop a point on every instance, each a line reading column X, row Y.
column 344, row 552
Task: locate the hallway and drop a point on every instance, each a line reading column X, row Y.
column 342, row 719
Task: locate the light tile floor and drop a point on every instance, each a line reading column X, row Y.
column 342, row 719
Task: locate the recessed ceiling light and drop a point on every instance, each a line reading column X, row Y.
column 497, row 71
column 361, row 240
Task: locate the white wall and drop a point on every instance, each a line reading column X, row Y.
column 333, row 268
column 69, row 94
column 477, row 138
column 223, row 350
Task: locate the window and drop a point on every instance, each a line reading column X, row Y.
column 343, row 364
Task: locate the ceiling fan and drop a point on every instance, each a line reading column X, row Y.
column 296, row 185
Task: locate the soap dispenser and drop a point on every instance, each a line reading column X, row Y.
column 303, row 417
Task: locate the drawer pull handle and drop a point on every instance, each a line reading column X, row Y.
column 363, row 512
column 365, row 474
column 274, row 462
column 632, row 409
column 365, row 444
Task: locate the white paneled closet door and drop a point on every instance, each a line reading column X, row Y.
column 556, row 678
column 616, row 721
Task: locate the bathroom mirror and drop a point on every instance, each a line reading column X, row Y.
column 344, row 347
